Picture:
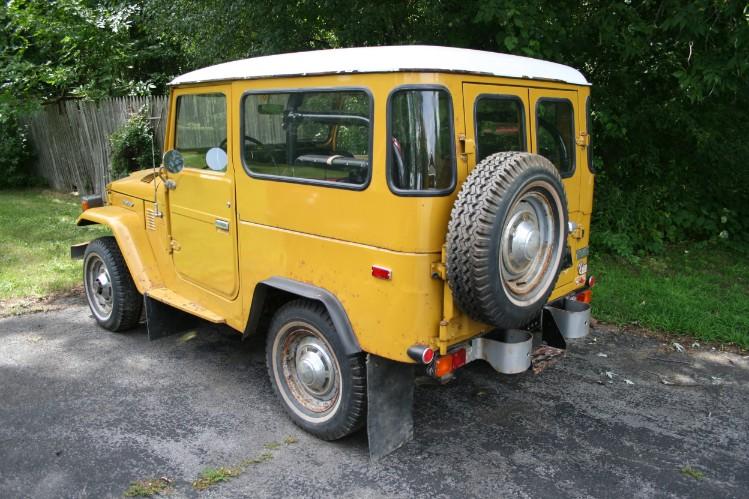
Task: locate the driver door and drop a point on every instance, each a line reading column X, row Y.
column 201, row 204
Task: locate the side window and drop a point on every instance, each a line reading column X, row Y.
column 500, row 125
column 315, row 136
column 555, row 133
column 201, row 125
column 421, row 146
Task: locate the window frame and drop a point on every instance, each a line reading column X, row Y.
column 589, row 129
column 389, row 146
column 177, row 97
column 305, row 181
column 539, row 101
column 506, row 97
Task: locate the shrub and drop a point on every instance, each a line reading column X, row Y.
column 15, row 152
column 133, row 145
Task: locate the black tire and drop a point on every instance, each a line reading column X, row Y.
column 507, row 192
column 103, row 257
column 303, row 327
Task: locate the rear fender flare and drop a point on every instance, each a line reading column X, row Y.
column 303, row 290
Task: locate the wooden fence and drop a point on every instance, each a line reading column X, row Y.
column 71, row 139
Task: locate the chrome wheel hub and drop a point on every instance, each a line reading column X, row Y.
column 99, row 289
column 529, row 245
column 308, row 372
column 314, row 368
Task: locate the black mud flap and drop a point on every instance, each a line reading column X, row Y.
column 551, row 333
column 390, row 396
column 164, row 320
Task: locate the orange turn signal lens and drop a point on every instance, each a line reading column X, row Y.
column 84, row 205
column 443, row 366
column 584, row 296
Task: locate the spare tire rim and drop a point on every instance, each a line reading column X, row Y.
column 308, row 370
column 98, row 287
column 530, row 246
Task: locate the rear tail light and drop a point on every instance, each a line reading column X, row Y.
column 591, row 281
column 584, row 296
column 448, row 363
column 421, row 353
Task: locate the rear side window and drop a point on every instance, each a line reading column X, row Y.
column 500, row 125
column 421, row 156
column 309, row 137
column 555, row 133
column 201, row 125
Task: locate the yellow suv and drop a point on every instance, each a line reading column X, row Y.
column 370, row 210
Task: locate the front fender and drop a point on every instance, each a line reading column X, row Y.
column 128, row 230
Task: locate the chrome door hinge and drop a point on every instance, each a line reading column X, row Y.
column 467, row 146
column 174, row 246
column 576, row 231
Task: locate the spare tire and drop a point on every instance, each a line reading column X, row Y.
column 506, row 237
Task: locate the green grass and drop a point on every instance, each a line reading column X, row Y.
column 36, row 231
column 701, row 290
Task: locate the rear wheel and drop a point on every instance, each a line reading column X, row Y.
column 111, row 293
column 322, row 389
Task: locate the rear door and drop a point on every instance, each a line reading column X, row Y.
column 496, row 119
column 542, row 121
column 554, row 129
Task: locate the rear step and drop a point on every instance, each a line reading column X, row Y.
column 571, row 317
column 511, row 351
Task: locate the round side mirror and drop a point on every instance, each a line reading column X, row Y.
column 173, row 161
column 216, row 159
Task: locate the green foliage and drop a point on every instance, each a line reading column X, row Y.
column 15, row 152
column 670, row 79
column 133, row 145
column 670, row 87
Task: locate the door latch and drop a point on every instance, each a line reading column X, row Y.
column 222, row 224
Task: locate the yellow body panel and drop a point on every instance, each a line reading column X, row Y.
column 325, row 236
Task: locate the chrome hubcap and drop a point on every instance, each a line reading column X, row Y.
column 529, row 245
column 314, row 368
column 308, row 372
column 98, row 287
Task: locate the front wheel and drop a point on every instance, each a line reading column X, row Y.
column 322, row 389
column 110, row 290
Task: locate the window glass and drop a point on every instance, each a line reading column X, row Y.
column 421, row 147
column 318, row 136
column 556, row 133
column 499, row 125
column 201, row 125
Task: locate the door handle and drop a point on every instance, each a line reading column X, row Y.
column 222, row 224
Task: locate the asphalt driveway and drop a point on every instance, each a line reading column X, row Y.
column 84, row 412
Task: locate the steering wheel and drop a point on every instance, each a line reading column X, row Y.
column 246, row 138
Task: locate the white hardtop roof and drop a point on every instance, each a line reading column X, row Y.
column 420, row 58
